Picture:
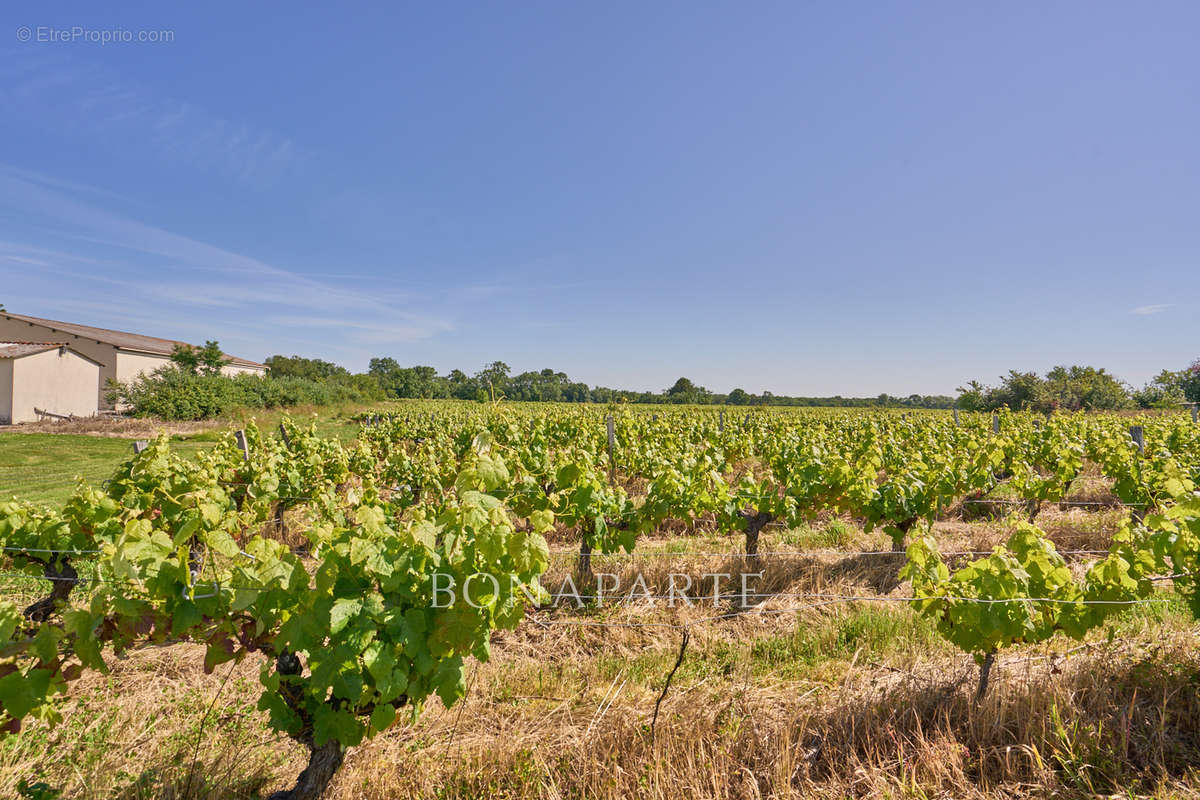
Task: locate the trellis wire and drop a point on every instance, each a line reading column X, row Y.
column 1081, row 503
column 795, row 553
column 853, row 598
column 778, row 554
column 758, row 610
column 825, row 597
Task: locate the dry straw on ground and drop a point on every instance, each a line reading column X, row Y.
column 847, row 700
column 1110, row 718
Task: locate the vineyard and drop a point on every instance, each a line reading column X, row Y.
column 545, row 601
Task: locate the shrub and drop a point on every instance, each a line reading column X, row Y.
column 173, row 393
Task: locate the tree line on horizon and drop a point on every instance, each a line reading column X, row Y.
column 192, row 387
column 496, row 381
column 1074, row 388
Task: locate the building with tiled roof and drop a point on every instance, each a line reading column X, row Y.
column 121, row 356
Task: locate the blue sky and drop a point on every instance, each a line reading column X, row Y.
column 799, row 197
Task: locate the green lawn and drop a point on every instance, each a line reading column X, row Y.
column 43, row 467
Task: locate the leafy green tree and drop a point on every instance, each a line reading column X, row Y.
column 682, row 388
column 972, row 397
column 387, row 372
column 425, row 382
column 1191, row 382
column 1170, row 388
column 1165, row 390
column 421, row 382
column 1082, row 388
column 461, row 385
column 185, row 357
column 544, row 386
column 684, row 391
column 493, row 380
column 207, row 360
column 1069, row 388
column 576, row 393
column 382, row 366
column 211, row 358
column 397, row 381
column 313, row 369
column 739, row 397
column 1018, row 390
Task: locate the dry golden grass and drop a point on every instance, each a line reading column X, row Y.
column 132, row 734
column 849, row 700
column 871, row 735
column 1108, row 718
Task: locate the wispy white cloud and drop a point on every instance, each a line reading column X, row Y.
column 133, row 273
column 32, row 262
column 59, row 183
column 278, row 288
column 402, row 327
column 1155, row 308
column 94, row 99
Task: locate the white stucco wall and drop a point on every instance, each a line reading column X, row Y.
column 115, row 364
column 131, row 364
column 6, row 373
column 56, row 380
column 237, row 369
column 12, row 330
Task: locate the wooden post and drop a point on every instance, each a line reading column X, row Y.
column 287, row 442
column 1138, row 434
column 721, row 421
column 52, row 415
column 995, row 423
column 956, row 416
column 239, row 436
column 612, row 440
column 140, row 445
column 1196, row 412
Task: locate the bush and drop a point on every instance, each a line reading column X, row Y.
column 1067, row 388
column 1171, row 388
column 173, row 393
